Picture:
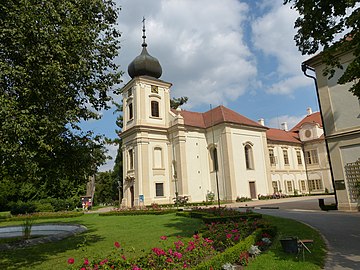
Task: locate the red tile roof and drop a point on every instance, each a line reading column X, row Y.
column 215, row 116
column 275, row 134
column 312, row 118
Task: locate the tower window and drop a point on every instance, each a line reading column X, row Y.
column 131, row 159
column 154, row 108
column 131, row 113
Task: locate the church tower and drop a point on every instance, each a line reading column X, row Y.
column 146, row 117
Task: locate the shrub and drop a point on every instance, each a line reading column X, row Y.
column 21, row 208
column 242, row 199
column 44, row 207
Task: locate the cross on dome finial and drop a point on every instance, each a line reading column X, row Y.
column 144, row 36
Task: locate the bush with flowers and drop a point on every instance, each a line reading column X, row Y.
column 219, row 243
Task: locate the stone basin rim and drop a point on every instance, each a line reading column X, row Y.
column 59, row 231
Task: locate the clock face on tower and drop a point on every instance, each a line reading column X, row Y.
column 307, row 133
column 154, row 89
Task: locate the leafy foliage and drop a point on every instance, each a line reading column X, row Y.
column 319, row 25
column 177, row 102
column 56, row 69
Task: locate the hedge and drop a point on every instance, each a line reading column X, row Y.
column 209, row 218
column 138, row 212
column 230, row 255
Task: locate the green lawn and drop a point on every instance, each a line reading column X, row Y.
column 138, row 233
column 134, row 233
column 275, row 258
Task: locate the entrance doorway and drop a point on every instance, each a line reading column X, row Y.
column 252, row 190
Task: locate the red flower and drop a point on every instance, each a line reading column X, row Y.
column 117, row 244
column 71, row 261
column 163, row 237
column 229, row 235
column 86, row 261
column 123, row 257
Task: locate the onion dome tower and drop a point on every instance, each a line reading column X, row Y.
column 145, row 64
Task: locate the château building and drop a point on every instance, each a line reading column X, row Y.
column 170, row 152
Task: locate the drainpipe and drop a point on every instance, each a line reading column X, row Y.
column 304, row 68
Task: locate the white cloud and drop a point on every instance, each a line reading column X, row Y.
column 112, row 151
column 273, row 35
column 200, row 45
column 287, row 85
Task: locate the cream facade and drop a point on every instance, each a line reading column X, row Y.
column 167, row 152
column 341, row 114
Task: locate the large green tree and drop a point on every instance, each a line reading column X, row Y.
column 320, row 25
column 56, row 70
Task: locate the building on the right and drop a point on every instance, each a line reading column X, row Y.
column 340, row 111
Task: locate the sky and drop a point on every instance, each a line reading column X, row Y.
column 236, row 53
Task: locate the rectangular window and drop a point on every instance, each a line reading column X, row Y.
column 272, row 157
column 159, row 189
column 131, row 159
column 303, row 185
column 275, row 186
column 131, row 114
column 289, row 186
column 286, row 156
column 311, row 157
column 298, row 155
column 315, row 184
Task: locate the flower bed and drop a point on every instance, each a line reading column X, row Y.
column 218, row 244
column 43, row 215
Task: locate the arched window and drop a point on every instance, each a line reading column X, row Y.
column 214, row 159
column 249, row 160
column 155, row 108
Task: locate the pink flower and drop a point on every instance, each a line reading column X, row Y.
column 158, row 251
column 178, row 255
column 103, row 262
column 117, row 244
column 135, row 267
column 123, row 257
column 196, row 236
column 82, row 268
column 163, row 237
column 86, row 261
column 229, row 235
column 185, row 265
column 207, row 240
column 169, row 260
column 71, row 261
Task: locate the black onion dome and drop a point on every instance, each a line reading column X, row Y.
column 145, row 64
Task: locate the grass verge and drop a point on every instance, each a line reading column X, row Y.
column 276, row 259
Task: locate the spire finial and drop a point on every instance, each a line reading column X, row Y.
column 144, row 36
